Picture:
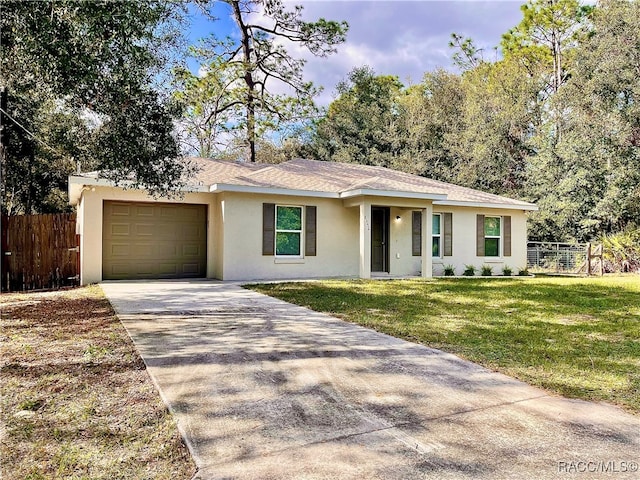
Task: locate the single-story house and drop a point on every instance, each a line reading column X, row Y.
column 298, row 219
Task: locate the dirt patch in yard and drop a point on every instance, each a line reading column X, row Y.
column 76, row 400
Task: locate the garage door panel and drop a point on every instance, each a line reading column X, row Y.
column 118, row 209
column 119, row 269
column 172, row 212
column 119, row 229
column 120, row 249
column 192, row 213
column 167, row 250
column 168, row 231
column 191, row 250
column 154, row 240
column 190, row 269
column 191, row 232
column 145, row 210
column 168, row 268
column 144, row 250
column 144, row 269
column 142, row 229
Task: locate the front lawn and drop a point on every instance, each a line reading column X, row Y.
column 76, row 399
column 579, row 337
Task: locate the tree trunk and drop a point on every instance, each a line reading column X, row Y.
column 251, row 121
column 247, row 50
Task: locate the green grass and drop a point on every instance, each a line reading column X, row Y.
column 578, row 337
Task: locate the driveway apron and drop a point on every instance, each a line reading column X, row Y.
column 262, row 389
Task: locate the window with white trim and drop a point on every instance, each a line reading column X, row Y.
column 288, row 231
column 492, row 236
column 436, row 236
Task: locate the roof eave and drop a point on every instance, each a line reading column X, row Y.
column 77, row 183
column 506, row 206
column 266, row 190
column 370, row 192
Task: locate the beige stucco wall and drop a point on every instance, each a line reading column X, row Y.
column 337, row 240
column 464, row 240
column 234, row 237
column 401, row 262
column 90, row 210
column 215, row 254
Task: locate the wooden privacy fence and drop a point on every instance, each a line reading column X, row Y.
column 39, row 251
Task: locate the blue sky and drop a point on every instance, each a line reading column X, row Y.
column 403, row 38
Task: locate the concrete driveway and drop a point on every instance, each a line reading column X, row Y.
column 262, row 389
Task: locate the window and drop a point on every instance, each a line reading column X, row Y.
column 288, row 223
column 288, row 231
column 436, row 237
column 492, row 236
column 441, row 234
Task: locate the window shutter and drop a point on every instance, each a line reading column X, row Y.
column 310, row 231
column 268, row 228
column 447, row 230
column 506, row 226
column 480, row 235
column 416, row 234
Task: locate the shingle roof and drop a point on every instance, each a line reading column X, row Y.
column 219, row 171
column 333, row 177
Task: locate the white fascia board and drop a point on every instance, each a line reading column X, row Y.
column 77, row 183
column 392, row 194
column 225, row 187
column 506, row 206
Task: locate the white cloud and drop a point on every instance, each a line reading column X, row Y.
column 403, row 38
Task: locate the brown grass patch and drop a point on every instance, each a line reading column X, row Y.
column 77, row 401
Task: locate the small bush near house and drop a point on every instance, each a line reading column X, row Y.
column 469, row 271
column 486, row 271
column 449, row 270
column 523, row 272
column 506, row 271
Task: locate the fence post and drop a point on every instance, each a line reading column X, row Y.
column 600, row 251
column 589, row 259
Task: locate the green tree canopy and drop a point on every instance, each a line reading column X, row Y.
column 591, row 182
column 255, row 85
column 359, row 122
column 85, row 71
column 545, row 38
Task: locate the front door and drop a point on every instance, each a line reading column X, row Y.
column 380, row 239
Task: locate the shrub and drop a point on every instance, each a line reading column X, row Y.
column 469, row 271
column 506, row 271
column 486, row 270
column 449, row 270
column 523, row 272
column 622, row 250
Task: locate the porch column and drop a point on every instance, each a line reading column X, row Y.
column 365, row 239
column 427, row 257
